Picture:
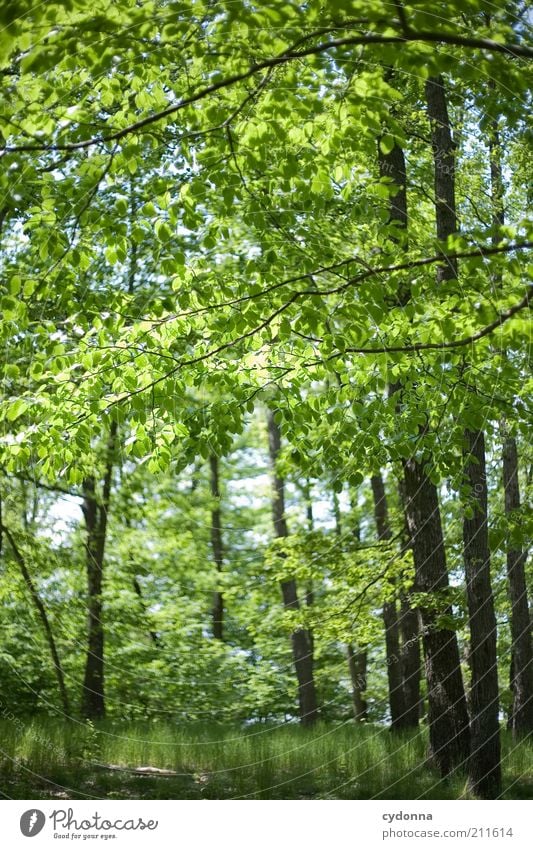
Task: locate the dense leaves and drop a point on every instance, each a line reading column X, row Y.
column 195, row 228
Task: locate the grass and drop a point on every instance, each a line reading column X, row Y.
column 52, row 759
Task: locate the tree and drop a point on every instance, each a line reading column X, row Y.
column 484, row 762
column 301, row 642
column 390, row 616
column 447, row 713
column 216, row 543
column 521, row 719
column 521, row 651
column 448, row 721
column 95, row 513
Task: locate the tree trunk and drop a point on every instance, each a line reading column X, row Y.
column 497, row 186
column 484, row 768
column 96, row 516
column 403, row 662
column 390, row 614
column 301, row 641
column 444, row 171
column 218, row 550
column 521, row 721
column 93, row 702
column 410, row 638
column 484, row 762
column 357, row 664
column 357, row 660
column 337, row 513
column 447, row 713
column 392, row 167
column 521, row 677
column 309, row 592
column 410, row 655
column 41, row 610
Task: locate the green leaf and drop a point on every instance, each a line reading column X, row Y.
column 162, row 230
column 16, row 409
column 386, row 144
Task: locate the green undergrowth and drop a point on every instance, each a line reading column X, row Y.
column 53, row 759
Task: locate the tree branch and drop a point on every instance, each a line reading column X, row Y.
column 512, row 50
column 439, row 346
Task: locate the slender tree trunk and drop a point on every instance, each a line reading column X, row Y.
column 410, row 653
column 309, row 590
column 497, row 186
column 302, row 651
column 390, row 614
column 357, row 659
column 521, row 677
column 521, row 649
column 357, row 664
column 337, row 513
column 404, row 705
column 309, row 594
column 444, row 171
column 448, row 720
column 447, row 713
column 484, row 762
column 96, row 516
column 41, row 610
column 484, row 768
column 93, row 703
column 410, row 636
column 392, row 168
column 218, row 550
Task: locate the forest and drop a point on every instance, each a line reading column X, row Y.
column 265, row 467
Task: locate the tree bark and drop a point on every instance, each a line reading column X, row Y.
column 410, row 654
column 484, row 765
column 484, row 762
column 444, row 171
column 410, row 637
column 357, row 664
column 302, row 650
column 390, row 614
column 41, row 610
column 96, row 516
column 217, row 546
column 447, row 712
column 521, row 720
column 392, row 165
column 521, row 677
column 309, row 590
column 357, row 659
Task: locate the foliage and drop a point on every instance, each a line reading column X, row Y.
column 195, row 229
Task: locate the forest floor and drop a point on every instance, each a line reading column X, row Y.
column 49, row 759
